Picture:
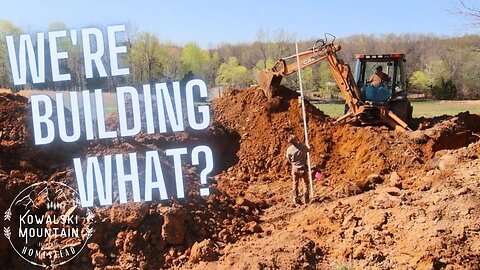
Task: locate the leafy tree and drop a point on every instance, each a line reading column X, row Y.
column 419, row 81
column 6, row 28
column 72, row 65
column 307, row 79
column 195, row 60
column 232, row 74
column 444, row 89
column 76, row 67
column 211, row 68
column 437, row 70
column 440, row 81
column 323, row 74
column 171, row 61
column 147, row 59
column 468, row 74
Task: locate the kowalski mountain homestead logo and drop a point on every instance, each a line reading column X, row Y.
column 46, row 224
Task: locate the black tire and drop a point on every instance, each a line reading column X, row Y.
column 410, row 113
column 347, row 109
column 402, row 109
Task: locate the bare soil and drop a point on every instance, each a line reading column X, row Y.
column 388, row 200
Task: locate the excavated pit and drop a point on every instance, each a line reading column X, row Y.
column 382, row 191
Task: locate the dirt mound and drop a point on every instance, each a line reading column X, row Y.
column 263, row 128
column 13, row 120
column 287, row 250
column 431, row 225
column 393, row 175
column 162, row 234
column 23, row 164
column 346, row 155
column 450, row 133
column 134, row 235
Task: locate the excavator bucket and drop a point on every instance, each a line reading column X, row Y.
column 265, row 80
column 269, row 82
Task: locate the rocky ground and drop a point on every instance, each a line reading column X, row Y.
column 388, row 200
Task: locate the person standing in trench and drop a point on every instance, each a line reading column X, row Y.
column 297, row 156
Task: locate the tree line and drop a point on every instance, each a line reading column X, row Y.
column 439, row 67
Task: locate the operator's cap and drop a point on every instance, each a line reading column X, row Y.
column 379, row 67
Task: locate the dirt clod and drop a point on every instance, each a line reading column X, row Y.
column 203, row 251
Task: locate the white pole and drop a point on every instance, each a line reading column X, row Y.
column 304, row 121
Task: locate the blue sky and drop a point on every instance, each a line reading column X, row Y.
column 211, row 22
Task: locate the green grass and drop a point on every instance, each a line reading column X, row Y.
column 332, row 109
column 429, row 108
column 420, row 108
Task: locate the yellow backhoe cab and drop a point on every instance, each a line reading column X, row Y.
column 391, row 92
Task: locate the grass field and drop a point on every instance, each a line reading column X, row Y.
column 429, row 108
column 420, row 108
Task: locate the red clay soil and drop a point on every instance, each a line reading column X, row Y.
column 136, row 235
column 388, row 201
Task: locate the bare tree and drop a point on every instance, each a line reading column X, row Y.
column 131, row 33
column 261, row 44
column 469, row 10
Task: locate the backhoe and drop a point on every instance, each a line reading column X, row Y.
column 365, row 104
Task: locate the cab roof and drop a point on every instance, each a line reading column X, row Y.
column 381, row 56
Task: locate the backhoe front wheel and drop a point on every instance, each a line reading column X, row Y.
column 402, row 109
